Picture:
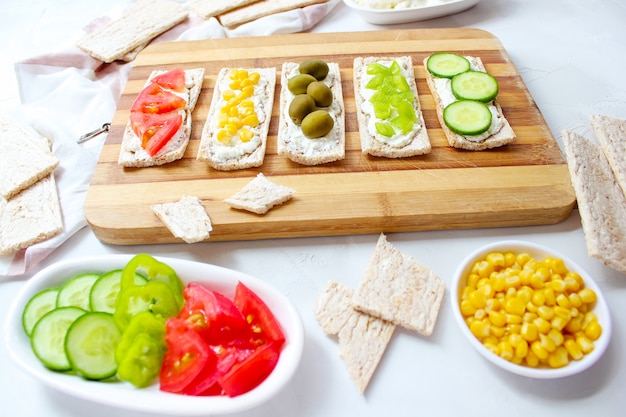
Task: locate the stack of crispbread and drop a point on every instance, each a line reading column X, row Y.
column 598, row 174
column 395, row 291
column 234, row 13
column 30, row 211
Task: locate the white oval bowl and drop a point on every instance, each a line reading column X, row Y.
column 538, row 252
column 151, row 399
column 414, row 14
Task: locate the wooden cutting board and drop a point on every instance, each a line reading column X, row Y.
column 525, row 183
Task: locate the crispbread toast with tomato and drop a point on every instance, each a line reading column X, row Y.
column 160, row 121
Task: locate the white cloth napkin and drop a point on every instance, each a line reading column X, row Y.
column 66, row 94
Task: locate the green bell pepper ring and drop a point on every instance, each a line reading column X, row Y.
column 142, row 364
column 155, row 297
column 154, row 270
column 143, row 323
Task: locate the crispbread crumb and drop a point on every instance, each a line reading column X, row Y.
column 363, row 339
column 186, row 219
column 260, row 195
column 399, row 289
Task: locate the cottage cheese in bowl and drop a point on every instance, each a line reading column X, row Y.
column 390, row 12
column 398, row 4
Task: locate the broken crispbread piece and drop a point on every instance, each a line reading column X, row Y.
column 260, row 195
column 601, row 202
column 611, row 134
column 363, row 339
column 132, row 31
column 211, row 8
column 186, row 219
column 31, row 216
column 399, row 289
column 262, row 8
column 23, row 161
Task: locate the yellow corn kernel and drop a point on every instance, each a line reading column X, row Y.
column 495, row 259
column 523, row 258
column 231, row 128
column 254, row 77
column 587, row 295
column 571, row 284
column 559, row 358
column 521, row 348
column 467, row 308
column 529, row 332
column 526, row 276
column 531, row 308
column 223, row 136
column 545, row 312
column 593, row 330
column 233, row 110
column 472, row 280
column 574, row 325
column 497, row 282
column 538, row 298
column 235, row 85
column 248, row 90
column 477, row 298
column 245, row 134
column 547, row 343
column 531, row 359
column 525, row 294
column 510, row 259
column 559, row 323
column 480, row 314
column 556, row 336
column 493, row 304
column 563, row 301
column 251, row 120
column 512, row 281
column 543, row 326
column 497, row 332
column 222, row 119
column 584, row 344
column 484, row 269
column 228, row 95
column 542, row 273
column 550, row 296
column 506, row 350
column 540, row 352
column 513, row 328
column 493, row 347
column 515, row 306
column 480, row 329
column 497, row 318
column 562, row 312
column 575, row 300
column 558, row 285
column 573, row 349
column 529, row 317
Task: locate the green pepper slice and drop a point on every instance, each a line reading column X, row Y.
column 142, row 363
column 155, row 297
column 154, row 270
column 143, row 323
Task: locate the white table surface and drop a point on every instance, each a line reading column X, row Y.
column 571, row 55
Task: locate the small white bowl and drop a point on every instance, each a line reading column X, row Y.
column 414, row 14
column 151, row 399
column 538, row 252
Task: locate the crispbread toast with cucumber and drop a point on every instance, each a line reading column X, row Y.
column 466, row 103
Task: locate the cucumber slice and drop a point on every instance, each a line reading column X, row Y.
column 467, row 117
column 474, row 85
column 90, row 345
column 447, row 64
column 75, row 292
column 48, row 337
column 104, row 291
column 38, row 305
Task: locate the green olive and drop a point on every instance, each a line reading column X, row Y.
column 300, row 106
column 299, row 83
column 315, row 67
column 321, row 93
column 317, row 124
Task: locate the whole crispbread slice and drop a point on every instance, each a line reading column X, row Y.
column 399, row 289
column 419, row 143
column 601, row 202
column 260, row 195
column 23, row 161
column 260, row 9
column 31, row 216
column 503, row 137
column 292, row 143
column 223, row 157
column 362, row 339
column 611, row 134
column 132, row 154
column 211, row 8
column 134, row 29
column 186, row 219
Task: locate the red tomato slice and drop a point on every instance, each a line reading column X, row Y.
column 154, row 99
column 250, row 372
column 258, row 316
column 205, row 382
column 173, row 79
column 186, row 356
column 155, row 130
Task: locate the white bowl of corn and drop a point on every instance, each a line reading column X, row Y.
column 530, row 310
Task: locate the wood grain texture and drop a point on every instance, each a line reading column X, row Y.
column 525, row 183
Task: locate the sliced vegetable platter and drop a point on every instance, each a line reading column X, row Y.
column 151, row 399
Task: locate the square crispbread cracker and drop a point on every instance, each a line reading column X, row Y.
column 237, row 155
column 123, row 37
column 23, row 161
column 503, row 137
column 260, row 195
column 418, row 142
column 362, row 338
column 186, row 219
column 611, row 134
column 399, row 289
column 292, row 143
column 132, row 154
column 601, row 202
column 31, row 216
column 211, row 8
column 260, row 9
